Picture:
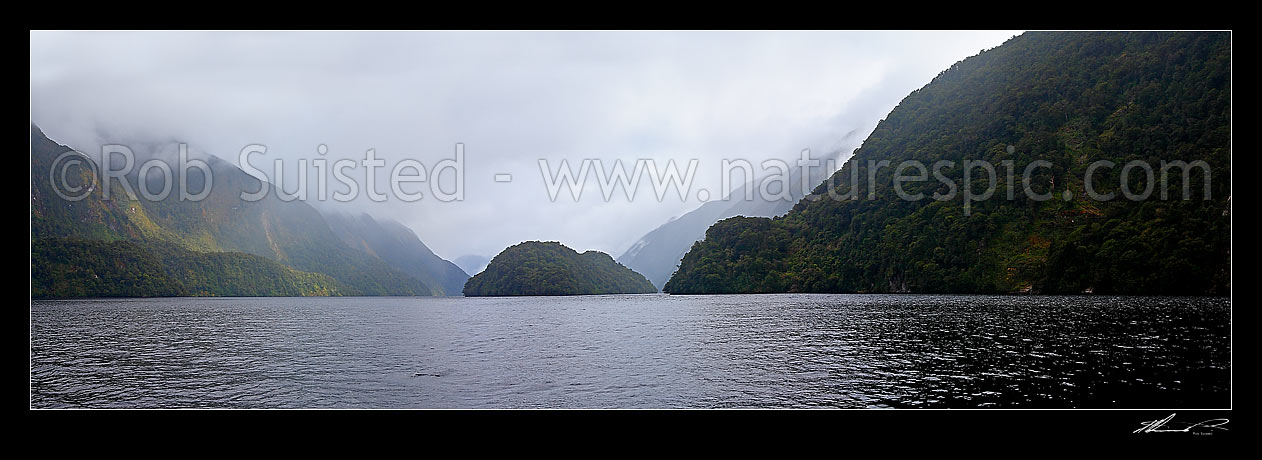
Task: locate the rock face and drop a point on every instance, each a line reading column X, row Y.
column 550, row 268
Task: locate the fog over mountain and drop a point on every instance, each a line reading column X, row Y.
column 472, row 264
column 657, row 254
column 399, row 247
column 511, row 99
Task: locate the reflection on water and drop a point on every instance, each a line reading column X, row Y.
column 653, row 351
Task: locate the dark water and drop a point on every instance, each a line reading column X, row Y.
column 652, row 351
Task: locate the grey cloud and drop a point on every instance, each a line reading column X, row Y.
column 510, row 97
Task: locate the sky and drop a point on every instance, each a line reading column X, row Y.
column 510, row 99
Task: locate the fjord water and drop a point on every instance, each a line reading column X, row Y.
column 633, row 351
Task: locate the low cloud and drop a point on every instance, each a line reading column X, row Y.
column 511, row 98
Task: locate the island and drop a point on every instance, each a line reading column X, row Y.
column 551, row 268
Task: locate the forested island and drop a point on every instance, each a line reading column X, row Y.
column 550, row 268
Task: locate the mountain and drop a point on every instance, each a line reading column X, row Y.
column 1070, row 99
column 472, row 263
column 550, row 268
column 398, row 246
column 283, row 235
column 86, row 213
column 657, row 253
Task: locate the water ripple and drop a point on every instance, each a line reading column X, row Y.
column 633, row 351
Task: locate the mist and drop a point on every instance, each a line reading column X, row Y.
column 510, row 99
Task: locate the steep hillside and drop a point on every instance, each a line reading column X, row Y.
column 290, row 233
column 398, row 246
column 657, row 253
column 1069, row 99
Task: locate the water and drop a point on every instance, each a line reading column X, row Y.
column 634, row 351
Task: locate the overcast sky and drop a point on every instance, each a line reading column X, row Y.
column 511, row 98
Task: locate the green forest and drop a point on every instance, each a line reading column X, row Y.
column 72, row 267
column 219, row 246
column 550, row 268
column 1069, row 99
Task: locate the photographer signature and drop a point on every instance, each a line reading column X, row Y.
column 1204, row 427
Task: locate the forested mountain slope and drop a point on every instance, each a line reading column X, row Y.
column 1070, row 99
